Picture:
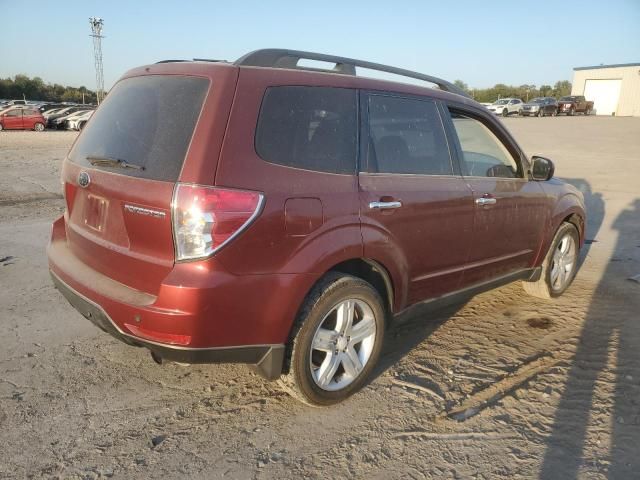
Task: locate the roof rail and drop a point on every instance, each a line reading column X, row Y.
column 195, row 60
column 282, row 58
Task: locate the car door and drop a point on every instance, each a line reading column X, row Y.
column 511, row 212
column 28, row 119
column 13, row 119
column 416, row 210
column 514, row 106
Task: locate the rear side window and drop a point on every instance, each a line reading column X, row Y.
column 313, row 128
column 145, row 121
column 406, row 136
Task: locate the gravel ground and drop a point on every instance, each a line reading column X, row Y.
column 503, row 387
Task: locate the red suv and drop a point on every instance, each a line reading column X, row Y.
column 278, row 215
column 22, row 119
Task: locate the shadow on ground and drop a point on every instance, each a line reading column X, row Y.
column 609, row 339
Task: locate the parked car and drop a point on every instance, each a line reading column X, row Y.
column 290, row 214
column 60, row 122
column 52, row 117
column 506, row 106
column 540, row 106
column 50, row 106
column 78, row 122
column 574, row 104
column 21, row 119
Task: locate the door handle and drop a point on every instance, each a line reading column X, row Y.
column 384, row 205
column 485, row 201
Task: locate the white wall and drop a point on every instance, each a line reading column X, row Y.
column 629, row 100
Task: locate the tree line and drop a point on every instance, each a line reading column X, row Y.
column 524, row 92
column 21, row 86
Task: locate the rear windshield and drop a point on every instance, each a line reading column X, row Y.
column 144, row 122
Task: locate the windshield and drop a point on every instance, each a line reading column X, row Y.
column 501, row 102
column 569, row 99
column 536, row 100
column 145, row 121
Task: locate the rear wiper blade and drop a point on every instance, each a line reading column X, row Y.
column 101, row 161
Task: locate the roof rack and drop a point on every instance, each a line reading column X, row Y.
column 282, row 58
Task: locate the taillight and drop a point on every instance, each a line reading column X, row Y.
column 206, row 218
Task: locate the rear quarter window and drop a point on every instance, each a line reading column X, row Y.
column 312, row 128
column 146, row 121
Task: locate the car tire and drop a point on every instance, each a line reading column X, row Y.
column 571, row 112
column 505, row 112
column 587, row 112
column 326, row 364
column 39, row 127
column 541, row 112
column 554, row 113
column 559, row 266
column 1, row 127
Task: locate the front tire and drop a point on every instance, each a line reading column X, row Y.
column 559, row 266
column 505, row 112
column 541, row 112
column 336, row 342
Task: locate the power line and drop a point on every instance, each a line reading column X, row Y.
column 96, row 32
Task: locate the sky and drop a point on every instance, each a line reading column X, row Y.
column 479, row 42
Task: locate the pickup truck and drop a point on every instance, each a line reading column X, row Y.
column 574, row 104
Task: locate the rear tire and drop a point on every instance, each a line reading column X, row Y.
column 559, row 266
column 571, row 112
column 587, row 112
column 541, row 112
column 39, row 127
column 505, row 112
column 336, row 341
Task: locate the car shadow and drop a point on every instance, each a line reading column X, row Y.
column 608, row 359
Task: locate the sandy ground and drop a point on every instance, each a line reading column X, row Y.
column 504, row 387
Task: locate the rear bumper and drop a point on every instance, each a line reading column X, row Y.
column 200, row 312
column 267, row 359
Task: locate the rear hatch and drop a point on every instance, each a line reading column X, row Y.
column 121, row 173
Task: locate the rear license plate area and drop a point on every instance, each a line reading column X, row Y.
column 95, row 212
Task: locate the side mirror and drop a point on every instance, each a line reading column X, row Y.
column 542, row 169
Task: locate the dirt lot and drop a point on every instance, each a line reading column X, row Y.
column 504, row 387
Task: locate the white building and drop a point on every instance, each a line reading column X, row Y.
column 613, row 89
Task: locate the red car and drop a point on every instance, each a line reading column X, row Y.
column 22, row 119
column 276, row 215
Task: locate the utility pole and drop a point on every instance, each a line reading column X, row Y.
column 96, row 32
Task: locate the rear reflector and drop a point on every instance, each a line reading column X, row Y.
column 206, row 218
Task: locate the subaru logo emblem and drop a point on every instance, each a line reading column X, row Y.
column 84, row 180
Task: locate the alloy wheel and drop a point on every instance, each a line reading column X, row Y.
column 342, row 344
column 564, row 261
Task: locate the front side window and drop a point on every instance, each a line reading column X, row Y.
column 313, row 128
column 406, row 136
column 483, row 154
